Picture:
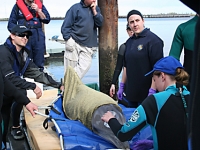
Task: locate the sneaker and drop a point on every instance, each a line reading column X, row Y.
column 17, row 133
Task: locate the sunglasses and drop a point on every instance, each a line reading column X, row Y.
column 22, row 35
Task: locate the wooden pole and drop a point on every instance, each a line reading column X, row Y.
column 108, row 43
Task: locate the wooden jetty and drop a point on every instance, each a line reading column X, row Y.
column 163, row 16
column 39, row 138
column 124, row 16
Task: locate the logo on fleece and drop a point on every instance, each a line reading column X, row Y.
column 140, row 47
column 134, row 116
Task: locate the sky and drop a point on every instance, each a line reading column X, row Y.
column 58, row 8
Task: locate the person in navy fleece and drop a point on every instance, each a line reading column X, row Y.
column 79, row 30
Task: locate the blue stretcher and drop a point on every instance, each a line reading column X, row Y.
column 74, row 135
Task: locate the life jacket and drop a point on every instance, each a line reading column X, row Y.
column 16, row 66
column 27, row 14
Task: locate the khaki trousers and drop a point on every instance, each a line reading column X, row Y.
column 77, row 56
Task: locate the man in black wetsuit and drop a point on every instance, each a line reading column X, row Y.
column 119, row 65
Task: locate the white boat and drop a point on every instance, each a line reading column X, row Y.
column 58, row 38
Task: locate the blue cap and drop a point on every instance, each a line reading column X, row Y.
column 167, row 65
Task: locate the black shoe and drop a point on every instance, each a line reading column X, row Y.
column 17, row 133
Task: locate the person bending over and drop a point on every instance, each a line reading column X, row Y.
column 9, row 90
column 18, row 64
column 166, row 112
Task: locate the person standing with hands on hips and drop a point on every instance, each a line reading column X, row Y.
column 79, row 30
column 166, row 112
column 142, row 51
column 32, row 14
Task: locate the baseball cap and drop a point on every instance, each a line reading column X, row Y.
column 20, row 29
column 167, row 65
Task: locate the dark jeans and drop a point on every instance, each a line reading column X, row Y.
column 8, row 104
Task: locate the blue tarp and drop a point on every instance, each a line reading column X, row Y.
column 77, row 136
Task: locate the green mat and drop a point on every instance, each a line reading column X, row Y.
column 94, row 86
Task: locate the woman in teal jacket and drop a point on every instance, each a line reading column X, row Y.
column 166, row 112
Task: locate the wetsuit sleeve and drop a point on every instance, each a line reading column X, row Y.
column 13, row 18
column 119, row 65
column 11, row 91
column 128, row 42
column 151, row 109
column 21, row 83
column 129, row 129
column 68, row 23
column 98, row 18
column 38, row 76
column 177, row 44
column 46, row 13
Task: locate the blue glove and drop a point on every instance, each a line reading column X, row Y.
column 120, row 91
column 143, row 145
column 151, row 91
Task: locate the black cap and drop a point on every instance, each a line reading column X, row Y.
column 134, row 12
column 20, row 29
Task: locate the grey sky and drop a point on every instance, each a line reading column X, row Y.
column 58, row 8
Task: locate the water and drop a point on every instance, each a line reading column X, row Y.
column 163, row 27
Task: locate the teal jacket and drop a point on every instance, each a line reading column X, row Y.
column 164, row 112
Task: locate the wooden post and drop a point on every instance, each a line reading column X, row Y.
column 108, row 43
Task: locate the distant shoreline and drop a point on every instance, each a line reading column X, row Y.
column 145, row 16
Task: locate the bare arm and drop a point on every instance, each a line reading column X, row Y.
column 112, row 90
column 124, row 76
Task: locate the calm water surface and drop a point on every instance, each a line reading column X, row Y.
column 163, row 27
